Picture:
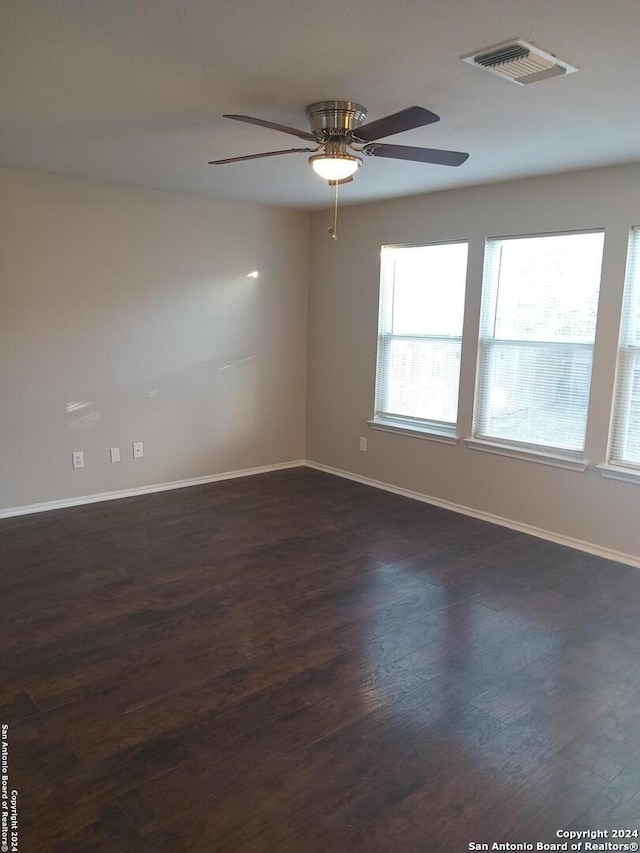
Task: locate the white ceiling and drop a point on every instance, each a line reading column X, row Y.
column 133, row 91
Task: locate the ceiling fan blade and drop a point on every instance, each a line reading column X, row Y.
column 395, row 123
column 438, row 156
column 258, row 156
column 301, row 134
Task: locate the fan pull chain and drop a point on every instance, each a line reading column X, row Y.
column 333, row 228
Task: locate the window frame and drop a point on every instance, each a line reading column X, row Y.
column 626, row 355
column 427, row 428
column 551, row 454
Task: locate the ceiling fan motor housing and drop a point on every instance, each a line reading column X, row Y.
column 335, row 119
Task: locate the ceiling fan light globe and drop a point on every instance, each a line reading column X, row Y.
column 335, row 167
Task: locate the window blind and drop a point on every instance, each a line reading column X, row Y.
column 624, row 439
column 537, row 328
column 422, row 290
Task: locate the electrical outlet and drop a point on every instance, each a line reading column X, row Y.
column 138, row 450
column 114, row 454
column 77, row 459
column 363, row 444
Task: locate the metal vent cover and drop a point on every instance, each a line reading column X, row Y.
column 520, row 62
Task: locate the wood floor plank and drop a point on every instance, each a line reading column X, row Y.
column 111, row 831
column 553, row 796
column 433, row 727
column 617, row 806
column 220, row 767
column 475, row 673
column 446, row 634
column 612, row 742
column 545, row 685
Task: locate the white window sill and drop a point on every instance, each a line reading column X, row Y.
column 614, row 472
column 428, row 433
column 543, row 457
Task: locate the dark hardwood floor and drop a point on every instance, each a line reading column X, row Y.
column 295, row 662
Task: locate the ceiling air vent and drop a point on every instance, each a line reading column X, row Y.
column 520, row 61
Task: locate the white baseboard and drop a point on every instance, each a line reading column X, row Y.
column 46, row 506
column 579, row 544
column 559, row 539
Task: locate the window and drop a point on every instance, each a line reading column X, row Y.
column 420, row 336
column 537, row 328
column 624, row 442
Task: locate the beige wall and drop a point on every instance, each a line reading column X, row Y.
column 128, row 316
column 343, row 303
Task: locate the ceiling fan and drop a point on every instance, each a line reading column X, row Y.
column 337, row 130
